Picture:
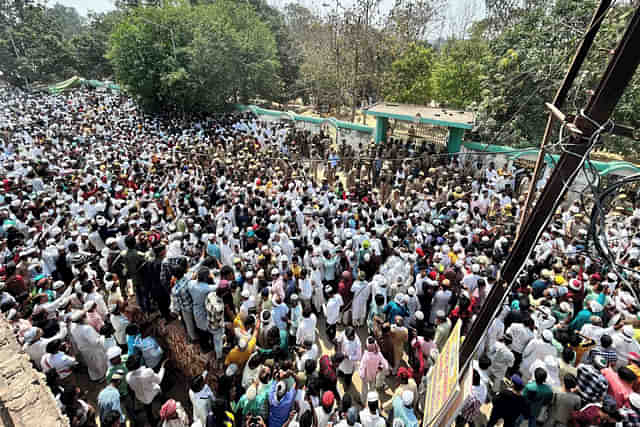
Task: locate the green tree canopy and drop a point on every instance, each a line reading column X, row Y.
column 529, row 58
column 456, row 77
column 409, row 80
column 32, row 44
column 195, row 57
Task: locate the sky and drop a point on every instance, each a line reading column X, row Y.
column 458, row 11
column 84, row 6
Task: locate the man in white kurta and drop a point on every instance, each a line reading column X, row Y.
column 90, row 345
column 361, row 290
column 307, row 327
column 537, row 348
column 350, row 345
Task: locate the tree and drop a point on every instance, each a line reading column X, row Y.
column 456, row 76
column 32, row 44
column 195, row 58
column 410, row 78
column 288, row 52
column 67, row 19
column 90, row 46
column 409, row 21
column 529, row 58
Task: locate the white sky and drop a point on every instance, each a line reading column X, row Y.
column 84, row 6
column 458, row 11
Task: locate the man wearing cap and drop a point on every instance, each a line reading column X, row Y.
column 118, row 363
column 349, row 344
column 537, row 349
column 396, row 308
column 509, row 404
column 324, row 412
column 241, row 353
column 332, row 311
column 89, row 344
column 370, row 415
column 502, row 360
column 625, row 343
column 403, row 409
column 35, row 344
column 109, row 397
column 280, row 400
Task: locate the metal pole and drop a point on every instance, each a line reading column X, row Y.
column 619, row 73
column 561, row 97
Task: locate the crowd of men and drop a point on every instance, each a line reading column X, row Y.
column 295, row 276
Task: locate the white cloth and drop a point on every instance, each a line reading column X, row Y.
column 306, row 329
column 119, row 323
column 361, row 291
column 352, row 350
column 90, row 345
column 536, row 349
column 145, row 383
column 624, row 346
column 101, row 306
column 311, row 354
column 502, row 359
column 201, row 403
column 332, row 309
column 38, row 348
column 521, row 336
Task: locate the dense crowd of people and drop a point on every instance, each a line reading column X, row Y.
column 297, row 266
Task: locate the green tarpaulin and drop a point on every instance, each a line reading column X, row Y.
column 76, row 81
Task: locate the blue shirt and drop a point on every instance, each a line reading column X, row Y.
column 277, row 312
column 279, row 410
column 330, row 268
column 393, row 309
column 333, row 160
column 199, row 292
column 583, row 317
column 403, row 413
column 214, row 251
column 109, row 400
column 151, row 351
column 132, row 340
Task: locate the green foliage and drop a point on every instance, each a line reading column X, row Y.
column 40, row 45
column 32, row 45
column 67, row 19
column 288, row 51
column 92, row 43
column 528, row 61
column 457, row 73
column 410, row 77
column 195, row 57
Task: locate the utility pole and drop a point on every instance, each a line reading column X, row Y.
column 585, row 129
column 561, row 97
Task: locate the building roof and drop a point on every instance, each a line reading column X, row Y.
column 423, row 114
column 290, row 115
